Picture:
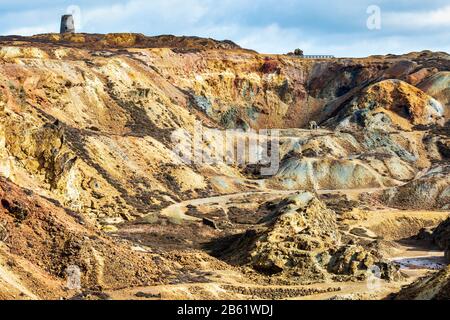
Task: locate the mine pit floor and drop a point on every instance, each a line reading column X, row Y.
column 416, row 258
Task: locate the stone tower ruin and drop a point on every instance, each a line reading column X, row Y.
column 67, row 24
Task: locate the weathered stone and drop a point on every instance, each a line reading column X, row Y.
column 67, row 24
column 432, row 190
column 354, row 260
column 299, row 233
column 441, row 235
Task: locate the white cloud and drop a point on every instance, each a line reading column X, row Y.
column 273, row 39
column 139, row 12
column 439, row 18
column 29, row 31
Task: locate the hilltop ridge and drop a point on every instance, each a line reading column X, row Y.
column 121, row 40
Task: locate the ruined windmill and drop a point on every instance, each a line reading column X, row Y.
column 67, row 24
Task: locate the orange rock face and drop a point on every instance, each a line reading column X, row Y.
column 405, row 100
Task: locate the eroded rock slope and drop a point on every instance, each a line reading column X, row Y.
column 86, row 152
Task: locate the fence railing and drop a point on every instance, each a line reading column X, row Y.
column 316, row 57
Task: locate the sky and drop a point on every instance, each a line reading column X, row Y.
column 344, row 28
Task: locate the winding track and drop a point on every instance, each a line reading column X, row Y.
column 178, row 210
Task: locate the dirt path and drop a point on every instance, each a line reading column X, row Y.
column 178, row 211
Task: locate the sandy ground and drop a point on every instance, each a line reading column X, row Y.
column 416, row 260
column 228, row 284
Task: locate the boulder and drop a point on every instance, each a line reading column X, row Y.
column 302, row 240
column 299, row 233
column 355, row 260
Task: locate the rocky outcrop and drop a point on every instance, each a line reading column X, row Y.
column 360, row 262
column 433, row 287
column 328, row 174
column 356, row 261
column 300, row 239
column 123, row 40
column 299, row 232
column 367, row 159
column 438, row 86
column 390, row 103
column 429, row 191
column 53, row 241
column 441, row 237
